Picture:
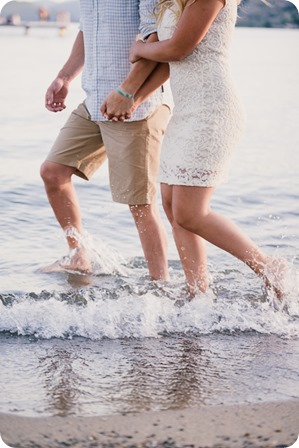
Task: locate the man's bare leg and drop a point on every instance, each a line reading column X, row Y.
column 64, row 202
column 153, row 239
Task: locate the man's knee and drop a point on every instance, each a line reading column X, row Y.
column 55, row 173
column 144, row 213
column 139, row 210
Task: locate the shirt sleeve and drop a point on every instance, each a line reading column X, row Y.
column 81, row 18
column 147, row 18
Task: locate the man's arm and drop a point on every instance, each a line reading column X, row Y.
column 118, row 107
column 58, row 89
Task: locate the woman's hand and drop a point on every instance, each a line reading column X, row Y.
column 134, row 51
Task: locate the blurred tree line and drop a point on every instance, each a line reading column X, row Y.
column 268, row 13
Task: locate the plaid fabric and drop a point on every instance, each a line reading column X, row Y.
column 109, row 28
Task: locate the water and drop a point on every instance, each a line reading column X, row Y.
column 117, row 342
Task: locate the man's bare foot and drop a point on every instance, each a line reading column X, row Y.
column 54, row 267
column 77, row 261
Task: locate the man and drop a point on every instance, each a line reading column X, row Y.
column 115, row 121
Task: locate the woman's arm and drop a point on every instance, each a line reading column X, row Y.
column 192, row 26
column 153, row 82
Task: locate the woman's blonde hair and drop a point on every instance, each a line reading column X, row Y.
column 176, row 5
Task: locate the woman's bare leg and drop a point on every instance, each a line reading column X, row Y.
column 191, row 248
column 191, row 210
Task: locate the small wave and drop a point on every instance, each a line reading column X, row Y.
column 127, row 308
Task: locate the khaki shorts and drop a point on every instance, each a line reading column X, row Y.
column 132, row 149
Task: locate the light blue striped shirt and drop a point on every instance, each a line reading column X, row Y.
column 109, row 28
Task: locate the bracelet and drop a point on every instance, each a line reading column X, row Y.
column 127, row 95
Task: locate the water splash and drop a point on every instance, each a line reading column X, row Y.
column 283, row 278
column 138, row 308
column 118, row 300
column 88, row 258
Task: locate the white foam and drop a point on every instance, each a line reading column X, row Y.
column 132, row 311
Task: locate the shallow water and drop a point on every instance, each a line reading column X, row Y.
column 83, row 377
column 116, row 342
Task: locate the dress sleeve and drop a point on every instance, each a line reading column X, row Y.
column 147, row 18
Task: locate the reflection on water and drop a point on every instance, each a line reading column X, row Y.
column 82, row 377
column 60, row 380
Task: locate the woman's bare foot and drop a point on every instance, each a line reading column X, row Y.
column 275, row 275
column 197, row 280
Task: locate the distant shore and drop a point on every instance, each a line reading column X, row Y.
column 252, row 13
column 264, row 425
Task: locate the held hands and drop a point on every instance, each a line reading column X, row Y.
column 56, row 95
column 117, row 107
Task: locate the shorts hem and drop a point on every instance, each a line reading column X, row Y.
column 78, row 172
column 144, row 200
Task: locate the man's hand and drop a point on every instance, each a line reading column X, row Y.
column 117, row 107
column 56, row 95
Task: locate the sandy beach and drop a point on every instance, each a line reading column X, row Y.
column 262, row 425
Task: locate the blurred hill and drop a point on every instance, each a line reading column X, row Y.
column 270, row 14
column 252, row 13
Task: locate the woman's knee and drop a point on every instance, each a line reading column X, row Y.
column 184, row 221
column 191, row 207
column 191, row 220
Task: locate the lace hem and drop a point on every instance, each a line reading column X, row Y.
column 193, row 178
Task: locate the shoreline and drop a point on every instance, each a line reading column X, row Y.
column 256, row 425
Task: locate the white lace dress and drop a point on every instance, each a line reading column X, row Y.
column 208, row 118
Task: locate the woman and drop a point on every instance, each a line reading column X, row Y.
column 208, row 119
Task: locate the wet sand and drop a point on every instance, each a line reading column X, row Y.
column 262, row 425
